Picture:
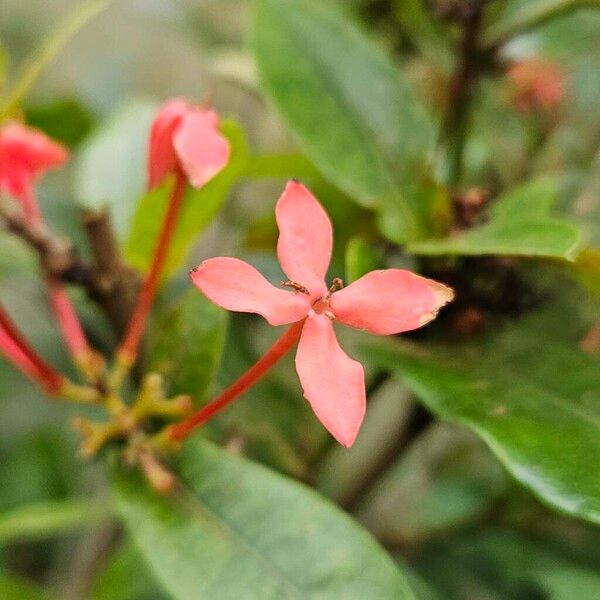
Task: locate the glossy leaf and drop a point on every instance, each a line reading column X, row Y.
column 188, row 345
column 199, row 207
column 353, row 113
column 234, row 529
column 518, row 225
column 529, row 392
column 110, row 168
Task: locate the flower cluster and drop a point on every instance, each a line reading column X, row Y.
column 185, row 142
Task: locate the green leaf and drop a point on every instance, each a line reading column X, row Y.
column 125, row 577
column 199, row 207
column 511, row 564
column 353, row 112
column 520, row 17
column 66, row 120
column 421, row 28
column 235, row 529
column 361, row 258
column 46, row 519
column 110, row 167
column 188, row 345
column 529, row 392
column 48, row 51
column 284, row 166
column 4, row 62
column 518, row 226
column 13, row 588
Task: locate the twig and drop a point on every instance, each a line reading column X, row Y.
column 466, row 74
column 115, row 284
column 108, row 281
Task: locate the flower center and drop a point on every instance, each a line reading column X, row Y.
column 321, row 304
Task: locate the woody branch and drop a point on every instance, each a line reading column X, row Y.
column 107, row 279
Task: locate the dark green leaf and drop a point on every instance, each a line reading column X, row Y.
column 199, row 207
column 67, row 121
column 509, row 563
column 353, row 113
column 188, row 345
column 529, row 392
column 518, row 226
column 235, row 530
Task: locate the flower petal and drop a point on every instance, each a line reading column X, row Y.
column 333, row 383
column 201, row 147
column 305, row 238
column 162, row 158
column 389, row 301
column 235, row 285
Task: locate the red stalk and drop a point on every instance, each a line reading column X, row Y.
column 129, row 347
column 278, row 350
column 68, row 321
column 63, row 308
column 26, row 358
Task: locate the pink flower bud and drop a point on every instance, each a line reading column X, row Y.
column 536, row 85
column 186, row 138
column 25, row 156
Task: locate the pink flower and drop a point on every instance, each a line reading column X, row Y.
column 382, row 302
column 186, row 138
column 25, row 155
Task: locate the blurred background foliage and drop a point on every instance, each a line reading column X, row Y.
column 503, row 367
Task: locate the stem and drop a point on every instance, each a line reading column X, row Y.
column 67, row 320
column 38, row 368
column 179, row 431
column 128, row 351
column 63, row 308
column 116, row 285
column 459, row 100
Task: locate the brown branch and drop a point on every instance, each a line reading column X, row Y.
column 469, row 65
column 107, row 280
column 116, row 285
